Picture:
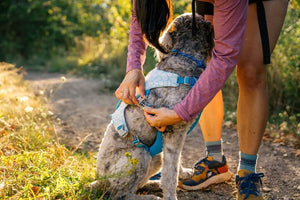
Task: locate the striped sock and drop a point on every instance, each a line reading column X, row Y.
column 215, row 150
column 248, row 162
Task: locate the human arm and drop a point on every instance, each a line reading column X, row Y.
column 135, row 59
column 230, row 19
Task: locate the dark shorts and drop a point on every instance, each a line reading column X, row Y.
column 205, row 8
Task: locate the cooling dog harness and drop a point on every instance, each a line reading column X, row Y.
column 156, row 78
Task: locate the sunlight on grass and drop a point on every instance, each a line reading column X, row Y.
column 32, row 163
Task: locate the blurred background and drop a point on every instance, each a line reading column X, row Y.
column 90, row 37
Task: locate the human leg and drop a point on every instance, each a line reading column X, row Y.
column 252, row 109
column 212, row 118
column 211, row 126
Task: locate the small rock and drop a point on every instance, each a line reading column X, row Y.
column 298, row 188
column 266, row 189
column 275, row 145
column 285, row 155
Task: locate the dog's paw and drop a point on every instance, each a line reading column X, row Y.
column 185, row 173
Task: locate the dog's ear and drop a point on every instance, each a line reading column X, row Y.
column 167, row 42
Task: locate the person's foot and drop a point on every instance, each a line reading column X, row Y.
column 248, row 185
column 207, row 172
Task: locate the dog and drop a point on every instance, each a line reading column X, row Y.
column 127, row 166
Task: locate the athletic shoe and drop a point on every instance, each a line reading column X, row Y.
column 207, row 172
column 249, row 185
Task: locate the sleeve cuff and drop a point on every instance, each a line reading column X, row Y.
column 179, row 109
column 134, row 67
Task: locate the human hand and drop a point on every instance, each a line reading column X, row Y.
column 161, row 117
column 127, row 89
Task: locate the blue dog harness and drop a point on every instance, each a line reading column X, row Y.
column 156, row 78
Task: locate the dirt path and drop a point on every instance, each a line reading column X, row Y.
column 85, row 111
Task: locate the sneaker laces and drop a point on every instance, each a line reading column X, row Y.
column 197, row 164
column 207, row 162
column 247, row 184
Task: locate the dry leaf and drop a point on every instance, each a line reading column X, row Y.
column 36, row 190
column 297, row 152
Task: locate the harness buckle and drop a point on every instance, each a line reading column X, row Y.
column 142, row 101
column 187, row 80
column 136, row 141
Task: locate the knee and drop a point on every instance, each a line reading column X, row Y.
column 252, row 76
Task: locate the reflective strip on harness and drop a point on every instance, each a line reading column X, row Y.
column 119, row 122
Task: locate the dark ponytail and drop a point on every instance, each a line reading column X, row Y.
column 153, row 17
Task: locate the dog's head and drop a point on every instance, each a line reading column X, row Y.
column 179, row 35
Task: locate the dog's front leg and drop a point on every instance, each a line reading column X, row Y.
column 172, row 146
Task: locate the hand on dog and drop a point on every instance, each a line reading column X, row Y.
column 134, row 80
column 161, row 117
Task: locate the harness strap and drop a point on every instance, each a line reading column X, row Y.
column 153, row 150
column 194, row 28
column 199, row 63
column 263, row 29
column 195, row 123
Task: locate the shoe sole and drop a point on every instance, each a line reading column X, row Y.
column 213, row 180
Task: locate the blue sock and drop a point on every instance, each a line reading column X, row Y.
column 248, row 162
column 215, row 150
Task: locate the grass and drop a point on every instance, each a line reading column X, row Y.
column 33, row 165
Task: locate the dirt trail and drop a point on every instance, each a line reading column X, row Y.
column 85, row 111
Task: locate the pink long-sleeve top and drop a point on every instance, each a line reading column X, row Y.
column 230, row 18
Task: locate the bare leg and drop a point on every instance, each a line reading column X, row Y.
column 252, row 110
column 212, row 119
column 213, row 114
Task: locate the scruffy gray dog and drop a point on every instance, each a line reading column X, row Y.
column 111, row 159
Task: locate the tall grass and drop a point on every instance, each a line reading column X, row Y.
column 33, row 165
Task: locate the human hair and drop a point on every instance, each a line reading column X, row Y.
column 153, row 17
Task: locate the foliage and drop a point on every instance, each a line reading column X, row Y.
column 39, row 27
column 284, row 72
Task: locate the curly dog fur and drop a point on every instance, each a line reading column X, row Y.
column 111, row 161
